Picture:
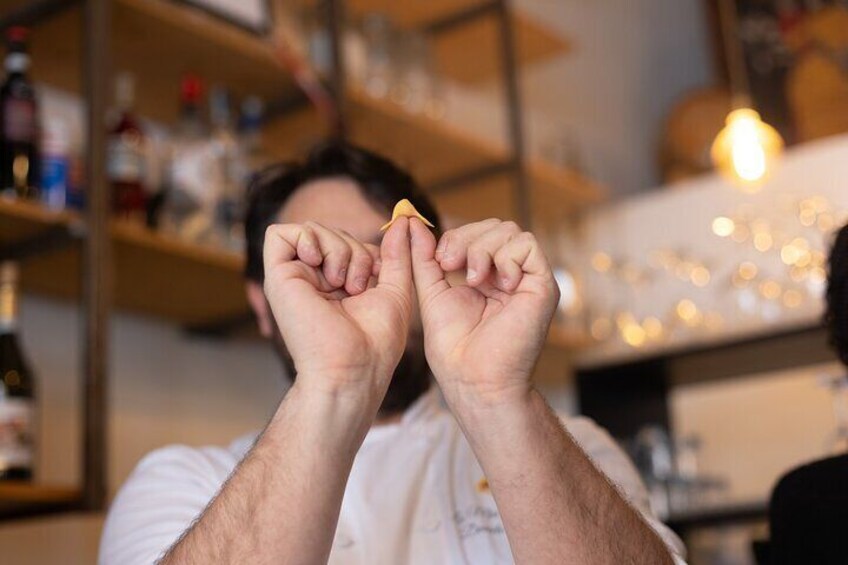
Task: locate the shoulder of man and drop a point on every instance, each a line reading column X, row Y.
column 160, row 499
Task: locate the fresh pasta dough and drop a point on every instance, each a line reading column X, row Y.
column 405, row 208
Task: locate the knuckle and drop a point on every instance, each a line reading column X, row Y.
column 511, row 226
column 527, row 237
column 361, row 261
column 475, row 249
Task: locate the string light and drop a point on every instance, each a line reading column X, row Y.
column 723, row 226
column 601, row 262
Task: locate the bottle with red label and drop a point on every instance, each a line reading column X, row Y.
column 19, row 131
column 17, row 387
column 126, row 155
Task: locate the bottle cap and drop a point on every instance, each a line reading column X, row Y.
column 17, row 34
column 191, row 88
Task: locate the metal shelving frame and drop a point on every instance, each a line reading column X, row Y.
column 96, row 301
column 515, row 165
column 94, row 235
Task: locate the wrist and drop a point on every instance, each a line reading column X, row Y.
column 491, row 421
column 342, row 414
column 487, row 398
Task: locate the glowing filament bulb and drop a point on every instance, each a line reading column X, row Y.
column 745, row 148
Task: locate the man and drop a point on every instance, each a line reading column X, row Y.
column 360, row 464
column 809, row 505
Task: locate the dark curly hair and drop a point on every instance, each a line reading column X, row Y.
column 836, row 316
column 382, row 183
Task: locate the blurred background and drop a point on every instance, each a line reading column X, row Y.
column 683, row 162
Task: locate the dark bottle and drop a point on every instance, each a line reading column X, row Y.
column 17, row 394
column 126, row 157
column 19, row 155
column 191, row 126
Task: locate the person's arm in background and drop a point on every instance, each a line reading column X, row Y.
column 282, row 503
column 482, row 342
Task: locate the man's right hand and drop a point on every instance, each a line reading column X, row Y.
column 342, row 330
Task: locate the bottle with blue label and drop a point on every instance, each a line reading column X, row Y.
column 55, row 164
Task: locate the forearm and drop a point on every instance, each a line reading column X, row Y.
column 282, row 503
column 555, row 505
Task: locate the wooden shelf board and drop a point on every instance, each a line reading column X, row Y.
column 412, row 14
column 432, row 150
column 154, row 275
column 23, row 498
column 471, row 54
column 468, row 53
column 159, row 41
column 719, row 515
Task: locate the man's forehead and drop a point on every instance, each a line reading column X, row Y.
column 336, row 203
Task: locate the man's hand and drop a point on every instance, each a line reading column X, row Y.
column 482, row 339
column 342, row 307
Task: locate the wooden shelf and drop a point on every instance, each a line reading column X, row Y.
column 154, row 275
column 159, row 41
column 469, row 53
column 742, row 512
column 433, row 151
column 21, row 498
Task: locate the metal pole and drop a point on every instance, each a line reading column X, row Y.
column 522, row 198
column 335, row 29
column 96, row 255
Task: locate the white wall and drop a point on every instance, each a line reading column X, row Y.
column 631, row 61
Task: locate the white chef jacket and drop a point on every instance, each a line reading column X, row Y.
column 416, row 495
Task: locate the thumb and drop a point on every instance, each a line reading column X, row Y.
column 396, row 264
column 427, row 274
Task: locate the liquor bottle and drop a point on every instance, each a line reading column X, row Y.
column 250, row 137
column 55, row 158
column 17, row 394
column 19, row 155
column 188, row 210
column 229, row 171
column 125, row 162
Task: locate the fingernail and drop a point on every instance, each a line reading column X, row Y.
column 342, row 273
column 442, row 245
column 471, row 274
column 360, row 282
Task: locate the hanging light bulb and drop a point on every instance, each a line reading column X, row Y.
column 746, row 149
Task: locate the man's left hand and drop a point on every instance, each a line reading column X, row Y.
column 482, row 338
